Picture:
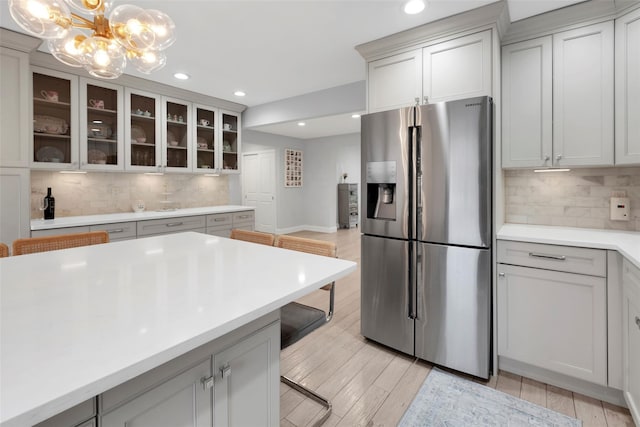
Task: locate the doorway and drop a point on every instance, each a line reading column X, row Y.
column 259, row 187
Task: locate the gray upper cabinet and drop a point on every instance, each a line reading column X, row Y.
column 627, row 54
column 558, row 99
column 526, row 103
column 395, row 81
column 14, row 104
column 583, row 96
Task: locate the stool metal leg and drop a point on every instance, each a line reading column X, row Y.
column 311, row 395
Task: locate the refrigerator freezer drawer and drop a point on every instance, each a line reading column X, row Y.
column 385, row 293
column 453, row 326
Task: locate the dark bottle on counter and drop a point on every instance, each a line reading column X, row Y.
column 50, row 205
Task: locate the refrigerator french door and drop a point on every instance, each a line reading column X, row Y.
column 426, row 248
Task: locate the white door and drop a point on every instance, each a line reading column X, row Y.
column 259, row 187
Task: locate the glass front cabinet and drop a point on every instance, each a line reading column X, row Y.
column 177, row 138
column 205, row 138
column 230, row 135
column 55, row 120
column 102, row 129
column 143, row 132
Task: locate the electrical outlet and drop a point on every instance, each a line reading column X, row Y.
column 620, row 209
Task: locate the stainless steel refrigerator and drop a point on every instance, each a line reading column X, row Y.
column 427, row 232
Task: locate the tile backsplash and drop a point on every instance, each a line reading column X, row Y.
column 101, row 193
column 579, row 198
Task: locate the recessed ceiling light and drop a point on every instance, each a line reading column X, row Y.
column 355, row 116
column 413, row 6
column 181, row 76
column 302, row 124
column 239, row 93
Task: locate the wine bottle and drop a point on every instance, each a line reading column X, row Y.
column 50, row 205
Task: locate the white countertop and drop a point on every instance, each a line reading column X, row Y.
column 77, row 322
column 625, row 242
column 80, row 221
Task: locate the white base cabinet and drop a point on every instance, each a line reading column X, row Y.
column 631, row 339
column 553, row 319
column 232, row 383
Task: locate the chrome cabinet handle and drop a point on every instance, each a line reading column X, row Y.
column 546, row 158
column 174, row 224
column 559, row 156
column 207, row 382
column 244, row 216
column 219, row 219
column 116, row 230
column 500, row 274
column 548, row 256
column 225, row 371
column 638, row 321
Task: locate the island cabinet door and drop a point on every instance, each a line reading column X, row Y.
column 247, row 375
column 182, row 401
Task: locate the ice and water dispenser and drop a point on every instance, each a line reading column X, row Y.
column 381, row 190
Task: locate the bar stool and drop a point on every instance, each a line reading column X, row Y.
column 32, row 245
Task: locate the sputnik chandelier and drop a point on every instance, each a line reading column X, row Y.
column 130, row 34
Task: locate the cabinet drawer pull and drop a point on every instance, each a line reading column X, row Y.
column 174, row 224
column 244, row 216
column 547, row 256
column 500, row 274
column 207, row 382
column 225, row 371
column 638, row 321
column 219, row 219
column 116, row 230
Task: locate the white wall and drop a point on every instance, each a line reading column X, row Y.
column 314, row 206
column 326, row 159
column 290, row 211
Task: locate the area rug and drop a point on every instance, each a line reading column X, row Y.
column 447, row 400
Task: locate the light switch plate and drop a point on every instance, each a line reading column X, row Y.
column 620, row 210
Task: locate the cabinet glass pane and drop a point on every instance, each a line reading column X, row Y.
column 51, row 119
column 206, row 138
column 229, row 142
column 177, row 138
column 143, row 131
column 102, row 125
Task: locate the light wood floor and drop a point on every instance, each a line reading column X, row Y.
column 370, row 385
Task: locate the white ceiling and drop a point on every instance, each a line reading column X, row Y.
column 279, row 49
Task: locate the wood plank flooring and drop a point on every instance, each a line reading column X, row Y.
column 371, row 385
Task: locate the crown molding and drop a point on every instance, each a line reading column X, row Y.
column 18, row 41
column 566, row 18
column 491, row 14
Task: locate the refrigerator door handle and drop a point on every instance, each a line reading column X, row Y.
column 411, row 303
column 418, row 279
column 417, row 177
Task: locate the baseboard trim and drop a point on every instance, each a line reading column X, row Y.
column 315, row 228
column 600, row 392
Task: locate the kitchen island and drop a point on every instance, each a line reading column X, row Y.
column 77, row 323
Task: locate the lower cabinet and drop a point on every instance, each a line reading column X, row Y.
column 236, row 385
column 631, row 339
column 155, row 227
column 180, row 401
column 553, row 320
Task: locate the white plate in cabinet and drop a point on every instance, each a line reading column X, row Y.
column 553, row 320
column 117, row 231
column 631, row 339
column 170, row 225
